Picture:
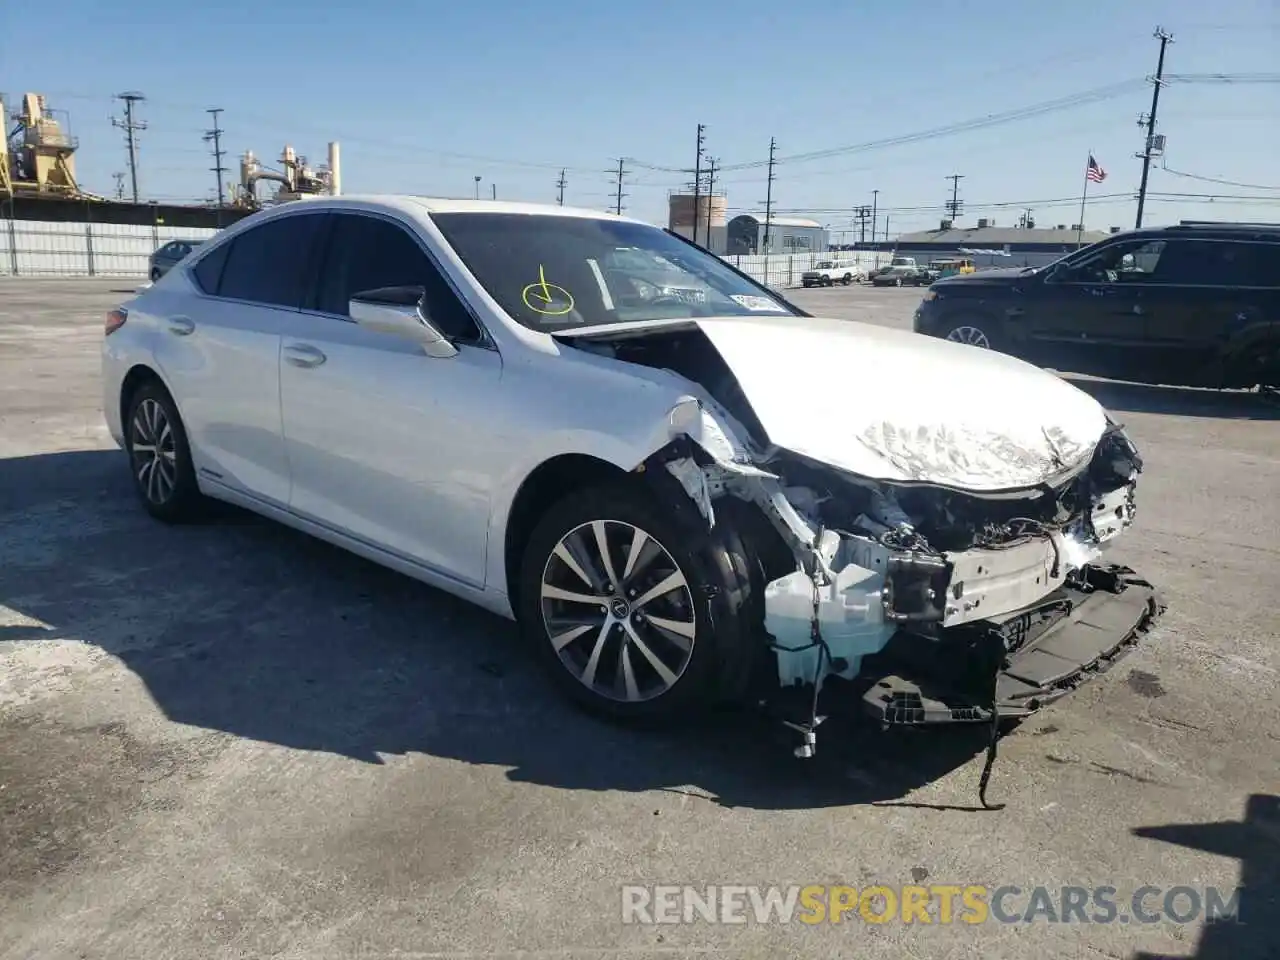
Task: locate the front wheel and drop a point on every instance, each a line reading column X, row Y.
column 617, row 598
column 847, row 279
column 974, row 332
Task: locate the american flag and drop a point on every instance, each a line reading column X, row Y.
column 1093, row 172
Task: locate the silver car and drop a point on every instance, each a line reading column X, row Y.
column 680, row 500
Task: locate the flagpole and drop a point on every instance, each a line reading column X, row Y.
column 1084, row 195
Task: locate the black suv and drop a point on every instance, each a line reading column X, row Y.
column 1197, row 304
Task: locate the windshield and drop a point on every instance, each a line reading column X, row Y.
column 825, row 265
column 555, row 273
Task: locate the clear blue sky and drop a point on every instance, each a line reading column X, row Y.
column 423, row 97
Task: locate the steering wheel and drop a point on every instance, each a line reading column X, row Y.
column 668, row 298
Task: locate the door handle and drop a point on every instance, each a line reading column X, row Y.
column 181, row 326
column 304, row 355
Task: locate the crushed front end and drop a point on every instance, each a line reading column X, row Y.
column 924, row 604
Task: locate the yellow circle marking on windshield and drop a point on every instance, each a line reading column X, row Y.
column 542, row 297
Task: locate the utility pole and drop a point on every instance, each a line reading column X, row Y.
column 1150, row 121
column 214, row 136
column 119, row 185
column 477, row 186
column 560, row 184
column 494, row 186
column 711, row 192
column 954, row 205
column 768, row 196
column 875, row 197
column 130, row 126
column 862, row 213
column 697, row 176
column 617, row 208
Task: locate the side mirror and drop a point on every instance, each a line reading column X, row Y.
column 399, row 311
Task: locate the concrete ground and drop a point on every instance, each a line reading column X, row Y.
column 230, row 740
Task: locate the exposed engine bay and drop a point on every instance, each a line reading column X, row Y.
column 928, row 603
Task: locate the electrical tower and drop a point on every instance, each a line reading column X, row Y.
column 768, row 195
column 711, row 192
column 1149, row 121
column 214, row 136
column 618, row 194
column 955, row 204
column 560, row 185
column 130, row 126
column 697, row 177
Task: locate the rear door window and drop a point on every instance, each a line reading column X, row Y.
column 267, row 264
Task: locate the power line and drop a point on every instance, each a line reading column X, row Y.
column 1228, row 183
column 215, row 136
column 130, row 126
column 1157, row 82
column 1083, row 98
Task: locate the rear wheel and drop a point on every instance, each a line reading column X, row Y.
column 633, row 616
column 159, row 457
column 847, row 279
column 155, row 274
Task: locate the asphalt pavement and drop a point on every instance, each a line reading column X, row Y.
column 230, row 740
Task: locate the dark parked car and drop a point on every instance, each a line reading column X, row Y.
column 901, row 277
column 1197, row 304
column 169, row 255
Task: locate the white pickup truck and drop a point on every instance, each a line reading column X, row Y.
column 827, row 273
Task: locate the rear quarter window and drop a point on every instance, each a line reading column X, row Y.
column 208, row 272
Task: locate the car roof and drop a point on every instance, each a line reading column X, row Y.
column 416, row 205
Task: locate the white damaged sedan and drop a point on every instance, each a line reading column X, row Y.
column 682, row 499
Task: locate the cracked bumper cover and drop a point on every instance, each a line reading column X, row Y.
column 1043, row 652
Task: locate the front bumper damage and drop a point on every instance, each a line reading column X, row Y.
column 873, row 615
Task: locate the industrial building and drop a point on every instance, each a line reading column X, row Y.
column 787, row 235
column 711, row 209
column 990, row 245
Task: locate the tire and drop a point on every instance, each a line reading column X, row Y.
column 155, row 274
column 718, row 588
column 847, row 279
column 165, row 480
column 1261, row 367
column 962, row 329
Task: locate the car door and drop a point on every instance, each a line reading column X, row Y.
column 219, row 350
column 1090, row 316
column 384, row 442
column 1204, row 293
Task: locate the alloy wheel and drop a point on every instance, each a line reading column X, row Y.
column 618, row 611
column 971, row 336
column 154, row 452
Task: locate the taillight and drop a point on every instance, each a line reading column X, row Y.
column 115, row 320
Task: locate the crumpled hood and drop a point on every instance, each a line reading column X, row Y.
column 898, row 406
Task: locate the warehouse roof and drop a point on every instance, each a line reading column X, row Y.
column 999, row 236
column 777, row 221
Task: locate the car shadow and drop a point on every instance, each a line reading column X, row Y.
column 1181, row 401
column 243, row 626
column 1254, row 840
